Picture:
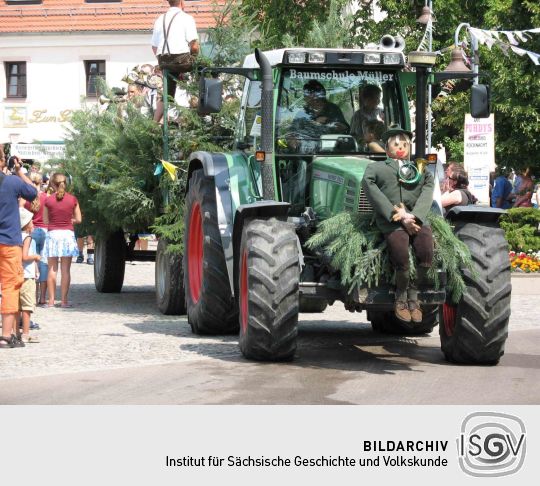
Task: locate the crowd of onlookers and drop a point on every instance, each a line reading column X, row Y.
column 507, row 189
column 37, row 239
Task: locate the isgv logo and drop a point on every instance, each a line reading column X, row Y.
column 491, row 444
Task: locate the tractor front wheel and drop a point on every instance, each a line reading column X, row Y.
column 474, row 330
column 267, row 287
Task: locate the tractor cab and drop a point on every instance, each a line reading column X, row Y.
column 331, row 109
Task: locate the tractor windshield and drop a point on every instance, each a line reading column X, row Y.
column 323, row 111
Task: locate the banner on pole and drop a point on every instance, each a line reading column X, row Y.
column 479, row 154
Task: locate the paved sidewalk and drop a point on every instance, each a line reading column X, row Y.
column 107, row 330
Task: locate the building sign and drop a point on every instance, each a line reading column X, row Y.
column 39, row 151
column 15, row 116
column 41, row 116
column 479, row 154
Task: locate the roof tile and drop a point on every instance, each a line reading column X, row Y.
column 79, row 16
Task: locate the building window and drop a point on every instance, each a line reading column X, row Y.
column 15, row 79
column 94, row 69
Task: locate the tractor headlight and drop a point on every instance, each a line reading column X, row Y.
column 372, row 58
column 317, row 57
column 297, row 57
column 391, row 58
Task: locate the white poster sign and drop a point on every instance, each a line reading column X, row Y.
column 479, row 154
column 39, row 151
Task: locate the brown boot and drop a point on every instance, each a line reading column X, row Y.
column 416, row 312
column 401, row 310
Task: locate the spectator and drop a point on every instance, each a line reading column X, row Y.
column 174, row 37
column 27, row 296
column 61, row 212
column 458, row 193
column 3, row 160
column 451, row 167
column 370, row 98
column 89, row 249
column 524, row 191
column 502, row 188
column 39, row 234
column 536, row 196
column 11, row 274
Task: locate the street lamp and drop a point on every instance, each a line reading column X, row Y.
column 456, row 61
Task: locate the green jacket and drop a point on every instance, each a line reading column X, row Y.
column 383, row 189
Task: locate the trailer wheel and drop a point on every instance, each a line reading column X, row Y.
column 110, row 262
column 313, row 306
column 386, row 322
column 209, row 302
column 267, row 281
column 170, row 298
column 475, row 330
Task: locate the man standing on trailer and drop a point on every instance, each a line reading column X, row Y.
column 175, row 42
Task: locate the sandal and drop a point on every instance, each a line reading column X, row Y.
column 5, row 342
column 66, row 305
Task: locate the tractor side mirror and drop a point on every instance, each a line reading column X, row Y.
column 480, row 101
column 210, row 96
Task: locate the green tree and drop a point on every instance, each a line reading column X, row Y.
column 514, row 80
column 276, row 18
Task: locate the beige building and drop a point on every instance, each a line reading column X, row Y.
column 52, row 50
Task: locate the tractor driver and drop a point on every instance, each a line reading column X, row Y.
column 318, row 116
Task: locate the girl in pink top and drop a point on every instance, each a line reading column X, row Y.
column 60, row 213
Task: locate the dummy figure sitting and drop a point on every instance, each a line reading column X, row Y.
column 401, row 197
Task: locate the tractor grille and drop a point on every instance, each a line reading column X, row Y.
column 364, row 205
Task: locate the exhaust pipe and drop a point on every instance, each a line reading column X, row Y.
column 267, row 125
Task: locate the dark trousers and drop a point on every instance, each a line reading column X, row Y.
column 398, row 247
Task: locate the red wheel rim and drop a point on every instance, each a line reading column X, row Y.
column 195, row 252
column 449, row 318
column 244, row 293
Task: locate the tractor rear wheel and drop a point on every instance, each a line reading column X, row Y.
column 267, row 287
column 169, row 278
column 386, row 322
column 110, row 262
column 475, row 330
column 209, row 301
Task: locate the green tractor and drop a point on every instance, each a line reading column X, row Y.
column 250, row 212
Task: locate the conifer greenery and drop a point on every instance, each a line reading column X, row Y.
column 112, row 155
column 358, row 251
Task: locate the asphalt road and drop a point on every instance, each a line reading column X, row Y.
column 118, row 349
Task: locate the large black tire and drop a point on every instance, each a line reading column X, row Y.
column 267, row 287
column 209, row 301
column 386, row 322
column 110, row 262
column 312, row 306
column 170, row 297
column 475, row 330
